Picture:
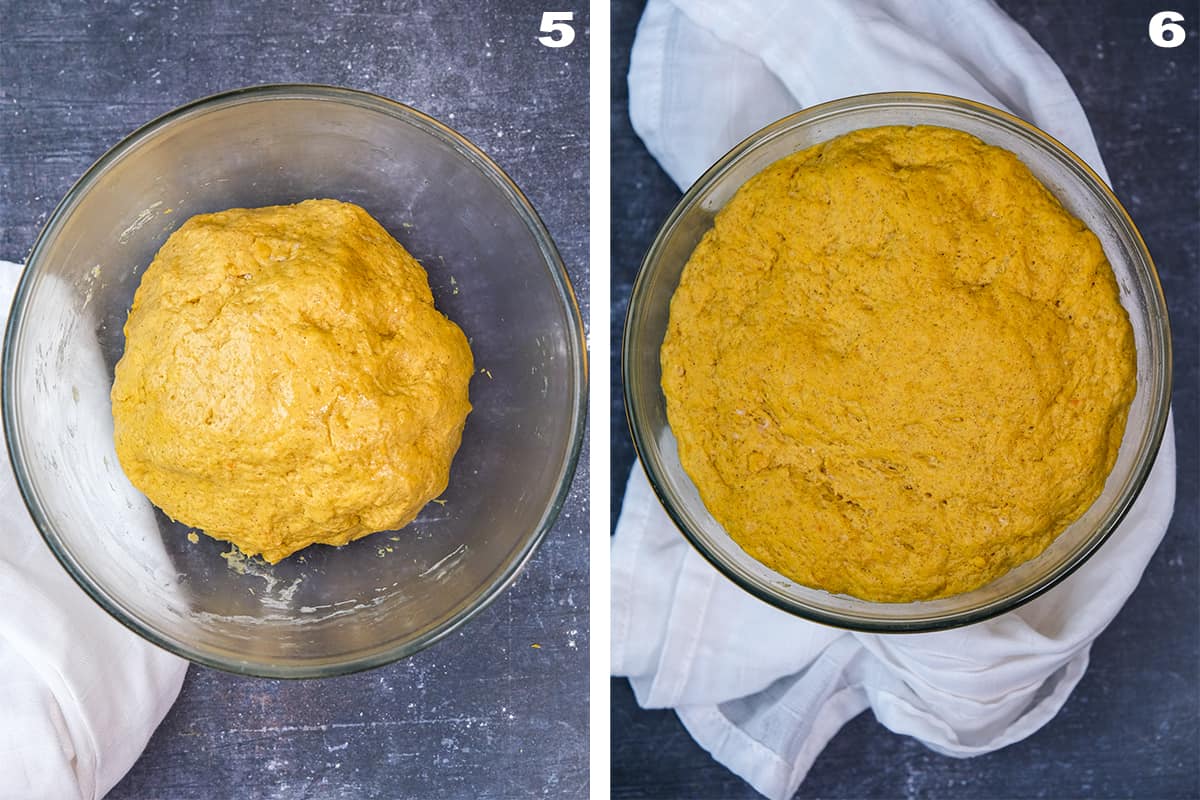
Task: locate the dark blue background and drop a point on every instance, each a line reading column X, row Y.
column 484, row 713
column 1131, row 727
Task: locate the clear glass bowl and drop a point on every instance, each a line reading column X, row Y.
column 494, row 271
column 1078, row 188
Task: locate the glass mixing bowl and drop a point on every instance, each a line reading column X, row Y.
column 1078, row 188
column 494, row 271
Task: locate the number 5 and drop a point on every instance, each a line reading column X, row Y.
column 555, row 22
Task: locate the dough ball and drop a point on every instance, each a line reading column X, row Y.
column 287, row 380
column 896, row 366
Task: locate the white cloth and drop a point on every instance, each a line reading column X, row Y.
column 80, row 693
column 759, row 689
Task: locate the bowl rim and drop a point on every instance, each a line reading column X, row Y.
column 1159, row 414
column 576, row 355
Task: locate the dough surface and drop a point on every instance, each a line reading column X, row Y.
column 896, row 367
column 287, row 380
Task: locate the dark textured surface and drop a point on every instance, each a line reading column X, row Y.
column 1131, row 727
column 484, row 713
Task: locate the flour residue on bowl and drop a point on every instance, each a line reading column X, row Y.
column 344, row 607
column 144, row 216
column 447, row 564
column 257, row 568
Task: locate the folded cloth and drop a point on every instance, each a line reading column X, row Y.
column 759, row 689
column 81, row 694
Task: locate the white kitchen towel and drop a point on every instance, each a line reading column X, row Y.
column 761, row 690
column 80, row 693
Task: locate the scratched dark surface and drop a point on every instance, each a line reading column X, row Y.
column 483, row 713
column 1131, row 727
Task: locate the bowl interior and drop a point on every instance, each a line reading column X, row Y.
column 1080, row 192
column 493, row 270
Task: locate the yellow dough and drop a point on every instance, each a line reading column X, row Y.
column 287, row 380
column 896, row 367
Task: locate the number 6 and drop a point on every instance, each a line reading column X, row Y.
column 1164, row 22
column 555, row 22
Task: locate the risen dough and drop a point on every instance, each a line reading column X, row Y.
column 287, row 380
column 896, row 367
